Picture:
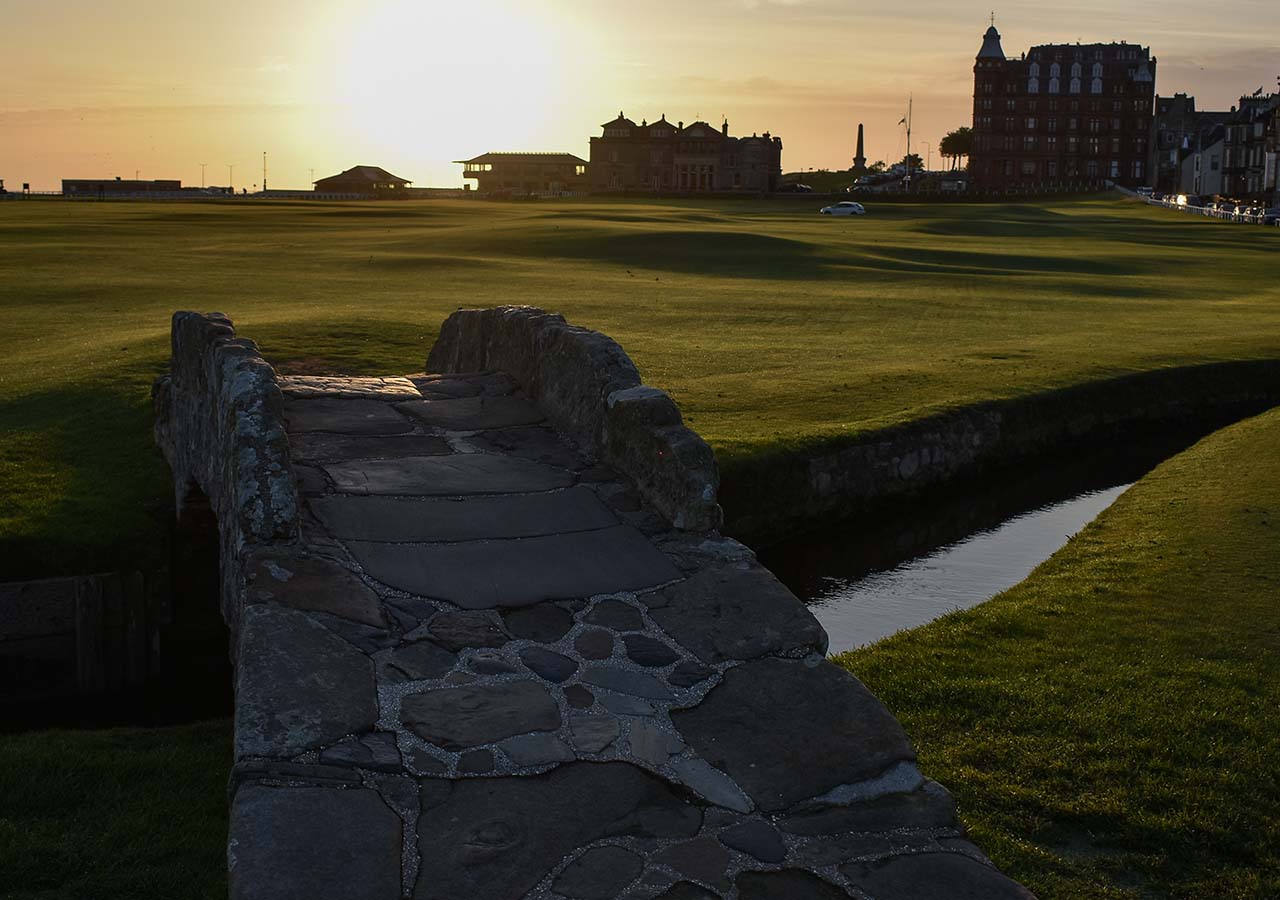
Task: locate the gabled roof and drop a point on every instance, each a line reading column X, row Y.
column 708, row 130
column 567, row 158
column 371, row 174
column 621, row 121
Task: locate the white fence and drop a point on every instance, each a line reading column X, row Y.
column 1226, row 212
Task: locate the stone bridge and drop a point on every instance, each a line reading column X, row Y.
column 489, row 644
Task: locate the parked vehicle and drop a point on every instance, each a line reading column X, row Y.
column 1144, row 192
column 794, row 187
column 844, row 208
column 1271, row 216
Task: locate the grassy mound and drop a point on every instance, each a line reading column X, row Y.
column 1108, row 725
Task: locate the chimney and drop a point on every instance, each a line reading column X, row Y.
column 724, row 128
column 680, row 124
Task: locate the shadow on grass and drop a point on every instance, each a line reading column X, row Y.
column 90, row 492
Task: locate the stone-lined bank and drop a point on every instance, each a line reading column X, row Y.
column 489, row 644
column 775, row 495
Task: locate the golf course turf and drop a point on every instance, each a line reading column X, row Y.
column 1107, row 726
column 773, row 327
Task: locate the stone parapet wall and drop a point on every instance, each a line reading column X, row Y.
column 773, row 496
column 591, row 390
column 219, row 425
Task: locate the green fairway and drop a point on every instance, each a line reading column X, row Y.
column 123, row 814
column 772, row 326
column 1109, row 725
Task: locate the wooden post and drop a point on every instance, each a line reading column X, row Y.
column 113, row 645
column 135, row 630
column 90, row 674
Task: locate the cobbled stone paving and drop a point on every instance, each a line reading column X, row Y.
column 489, row 670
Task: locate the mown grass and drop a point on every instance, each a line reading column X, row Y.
column 1109, row 725
column 772, row 326
column 123, row 814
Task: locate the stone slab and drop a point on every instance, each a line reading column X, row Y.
column 344, row 417
column 473, row 413
column 736, row 612
column 539, row 444
column 311, row 843
column 298, row 685
column 491, row 574
column 789, row 884
column 446, row 476
column 599, row 874
column 463, row 717
column 321, row 446
column 462, row 519
column 930, row 806
column 701, row 859
column 787, row 731
column 492, row 837
column 347, row 387
column 317, row 584
column 933, row 876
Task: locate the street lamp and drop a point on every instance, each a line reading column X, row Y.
column 928, row 149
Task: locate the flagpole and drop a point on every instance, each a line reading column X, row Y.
column 910, row 103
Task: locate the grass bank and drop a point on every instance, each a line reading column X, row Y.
column 1108, row 725
column 775, row 329
column 123, row 814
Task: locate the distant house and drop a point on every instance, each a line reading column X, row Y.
column 526, row 173
column 372, row 180
column 657, row 156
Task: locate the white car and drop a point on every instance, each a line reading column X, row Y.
column 844, row 208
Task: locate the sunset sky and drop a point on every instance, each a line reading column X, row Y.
column 98, row 89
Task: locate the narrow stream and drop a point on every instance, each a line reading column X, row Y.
column 892, row 570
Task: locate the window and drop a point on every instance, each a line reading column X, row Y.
column 1115, row 144
column 1094, row 126
column 1074, row 86
column 1117, row 105
column 1051, row 144
column 988, row 88
column 1011, row 105
column 1033, row 85
column 1028, row 167
column 1094, row 146
column 1097, row 70
column 1073, row 168
column 1051, row 168
column 1031, row 123
column 1055, row 70
column 986, row 103
column 1115, row 124
column 1029, row 143
column 1073, row 144
column 1053, row 85
column 1091, row 168
column 1136, row 171
column 1053, row 106
column 1034, row 70
column 1076, row 71
column 1096, row 86
column 1010, row 123
column 1053, row 124
column 1115, row 169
